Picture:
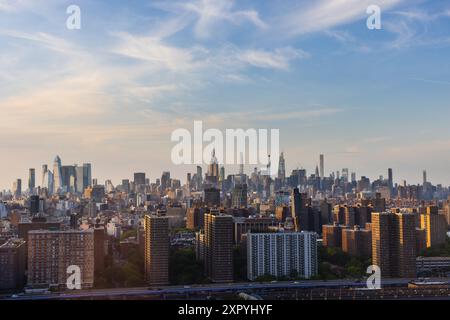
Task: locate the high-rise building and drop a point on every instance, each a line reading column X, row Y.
column 357, row 241
column 50, row 253
column 434, row 225
column 32, row 179
column 211, row 197
column 12, row 264
column 17, row 188
column 239, row 196
column 394, row 243
column 87, row 175
column 218, row 246
column 390, row 180
column 156, row 249
column 79, row 179
column 99, row 248
column 282, row 167
column 34, row 205
column 322, row 166
column 242, row 225
column 299, row 210
column 332, row 235
column 44, row 173
column 165, row 180
column 68, row 178
column 57, row 175
column 282, row 254
column 139, row 178
column 194, row 218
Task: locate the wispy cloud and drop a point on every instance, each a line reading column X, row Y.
column 322, row 15
column 210, row 14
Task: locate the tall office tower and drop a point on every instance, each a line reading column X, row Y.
column 353, row 177
column 299, row 210
column 357, row 241
column 79, row 182
column 57, row 175
column 282, row 168
column 239, row 196
column 345, row 175
column 87, row 175
column 211, row 197
column 156, row 249
column 434, row 225
column 390, row 179
column 50, row 253
column 165, row 180
column 222, row 174
column 32, row 179
column 48, row 181
column 218, row 246
column 139, row 178
column 12, row 264
column 68, row 177
column 126, row 185
column 282, row 254
column 213, row 168
column 394, row 244
column 34, row 205
column 188, row 178
column 424, row 177
column 17, row 188
column 322, row 166
column 44, row 174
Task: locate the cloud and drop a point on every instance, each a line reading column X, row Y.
column 277, row 59
column 209, row 14
column 324, row 14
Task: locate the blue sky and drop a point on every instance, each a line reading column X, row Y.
column 112, row 92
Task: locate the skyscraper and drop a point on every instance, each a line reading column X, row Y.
column 31, row 179
column 57, row 175
column 156, row 249
column 322, row 166
column 239, row 196
column 390, row 180
column 394, row 244
column 282, row 167
column 218, row 247
column 87, row 175
column 299, row 210
column 139, row 178
column 44, row 173
column 17, row 188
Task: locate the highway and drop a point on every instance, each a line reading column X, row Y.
column 135, row 293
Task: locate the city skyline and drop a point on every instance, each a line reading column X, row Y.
column 112, row 92
column 229, row 170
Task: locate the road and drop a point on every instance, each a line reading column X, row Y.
column 201, row 289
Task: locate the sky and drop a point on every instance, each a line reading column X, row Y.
column 112, row 92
